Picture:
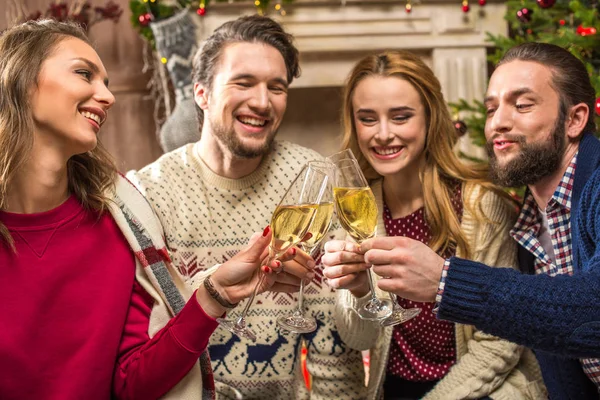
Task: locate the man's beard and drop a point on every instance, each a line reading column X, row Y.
column 534, row 161
column 229, row 138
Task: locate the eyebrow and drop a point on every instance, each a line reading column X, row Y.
column 395, row 109
column 250, row 76
column 92, row 66
column 511, row 94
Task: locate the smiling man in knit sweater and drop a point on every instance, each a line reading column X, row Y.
column 212, row 195
column 540, row 133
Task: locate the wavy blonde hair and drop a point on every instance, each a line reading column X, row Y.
column 442, row 169
column 23, row 50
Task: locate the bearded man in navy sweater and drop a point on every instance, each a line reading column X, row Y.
column 540, row 133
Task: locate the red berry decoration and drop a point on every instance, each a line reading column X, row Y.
column 201, row 11
column 145, row 19
column 466, row 8
column 545, row 3
column 582, row 31
column 598, row 106
column 482, row 2
column 562, row 22
column 524, row 15
column 460, row 127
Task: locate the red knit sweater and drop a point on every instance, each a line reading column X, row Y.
column 71, row 308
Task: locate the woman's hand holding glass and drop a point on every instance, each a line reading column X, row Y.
column 236, row 279
column 290, row 223
column 344, row 267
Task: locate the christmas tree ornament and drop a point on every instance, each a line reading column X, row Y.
column 460, row 127
column 408, row 7
column 465, row 6
column 524, row 15
column 145, row 19
column 562, row 22
column 598, row 106
column 482, row 2
column 545, row 3
column 582, row 31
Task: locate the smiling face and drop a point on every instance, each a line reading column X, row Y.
column 389, row 117
column 70, row 101
column 248, row 98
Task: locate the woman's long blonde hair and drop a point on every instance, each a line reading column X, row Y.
column 23, row 49
column 442, row 169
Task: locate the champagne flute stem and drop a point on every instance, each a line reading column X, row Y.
column 372, row 286
column 300, row 308
column 242, row 319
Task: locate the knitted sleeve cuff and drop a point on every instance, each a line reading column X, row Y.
column 465, row 290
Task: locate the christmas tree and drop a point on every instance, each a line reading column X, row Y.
column 572, row 25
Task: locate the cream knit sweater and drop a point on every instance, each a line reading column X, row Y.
column 207, row 219
column 486, row 365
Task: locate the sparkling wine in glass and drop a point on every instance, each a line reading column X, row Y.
column 399, row 314
column 289, row 223
column 357, row 212
column 297, row 321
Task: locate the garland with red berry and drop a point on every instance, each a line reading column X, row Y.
column 144, row 12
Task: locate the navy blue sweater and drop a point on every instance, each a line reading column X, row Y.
column 558, row 317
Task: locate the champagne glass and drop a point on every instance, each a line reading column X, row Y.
column 297, row 321
column 399, row 314
column 357, row 212
column 290, row 222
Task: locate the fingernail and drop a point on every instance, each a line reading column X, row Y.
column 310, row 276
column 266, row 231
column 266, row 269
column 293, row 251
column 278, row 263
column 311, row 264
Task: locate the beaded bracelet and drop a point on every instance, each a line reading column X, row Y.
column 215, row 295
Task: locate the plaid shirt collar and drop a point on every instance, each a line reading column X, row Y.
column 527, row 227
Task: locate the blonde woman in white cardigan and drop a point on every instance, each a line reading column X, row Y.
column 398, row 125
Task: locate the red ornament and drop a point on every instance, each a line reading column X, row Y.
column 545, row 3
column 201, row 11
column 598, row 106
column 408, row 8
column 581, row 31
column 466, row 8
column 562, row 22
column 482, row 2
column 145, row 19
column 524, row 15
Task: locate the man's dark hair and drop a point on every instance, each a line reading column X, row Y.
column 252, row 29
column 570, row 78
